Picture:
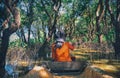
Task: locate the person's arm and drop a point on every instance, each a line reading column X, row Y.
column 71, row 46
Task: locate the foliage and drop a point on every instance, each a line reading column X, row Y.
column 78, row 18
column 82, row 11
column 17, row 43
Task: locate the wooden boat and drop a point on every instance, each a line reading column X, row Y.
column 63, row 67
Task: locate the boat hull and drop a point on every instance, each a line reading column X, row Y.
column 74, row 66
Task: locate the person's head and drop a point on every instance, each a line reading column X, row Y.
column 59, row 42
column 59, row 34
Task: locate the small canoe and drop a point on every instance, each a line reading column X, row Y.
column 63, row 67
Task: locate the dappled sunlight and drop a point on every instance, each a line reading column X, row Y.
column 106, row 67
column 107, row 76
column 38, row 68
column 106, row 62
column 38, row 72
column 90, row 73
column 79, row 57
column 23, row 63
column 79, row 53
column 109, row 70
column 101, row 61
column 85, row 50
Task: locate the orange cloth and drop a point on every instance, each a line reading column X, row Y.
column 62, row 54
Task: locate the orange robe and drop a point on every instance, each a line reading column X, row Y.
column 62, row 54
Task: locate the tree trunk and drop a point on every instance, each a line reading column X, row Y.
column 30, row 16
column 99, row 15
column 13, row 26
column 117, row 30
column 118, row 26
column 23, row 36
column 4, row 47
column 116, row 23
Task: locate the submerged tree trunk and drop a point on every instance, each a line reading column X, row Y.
column 13, row 26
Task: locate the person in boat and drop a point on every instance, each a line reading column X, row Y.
column 61, row 51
